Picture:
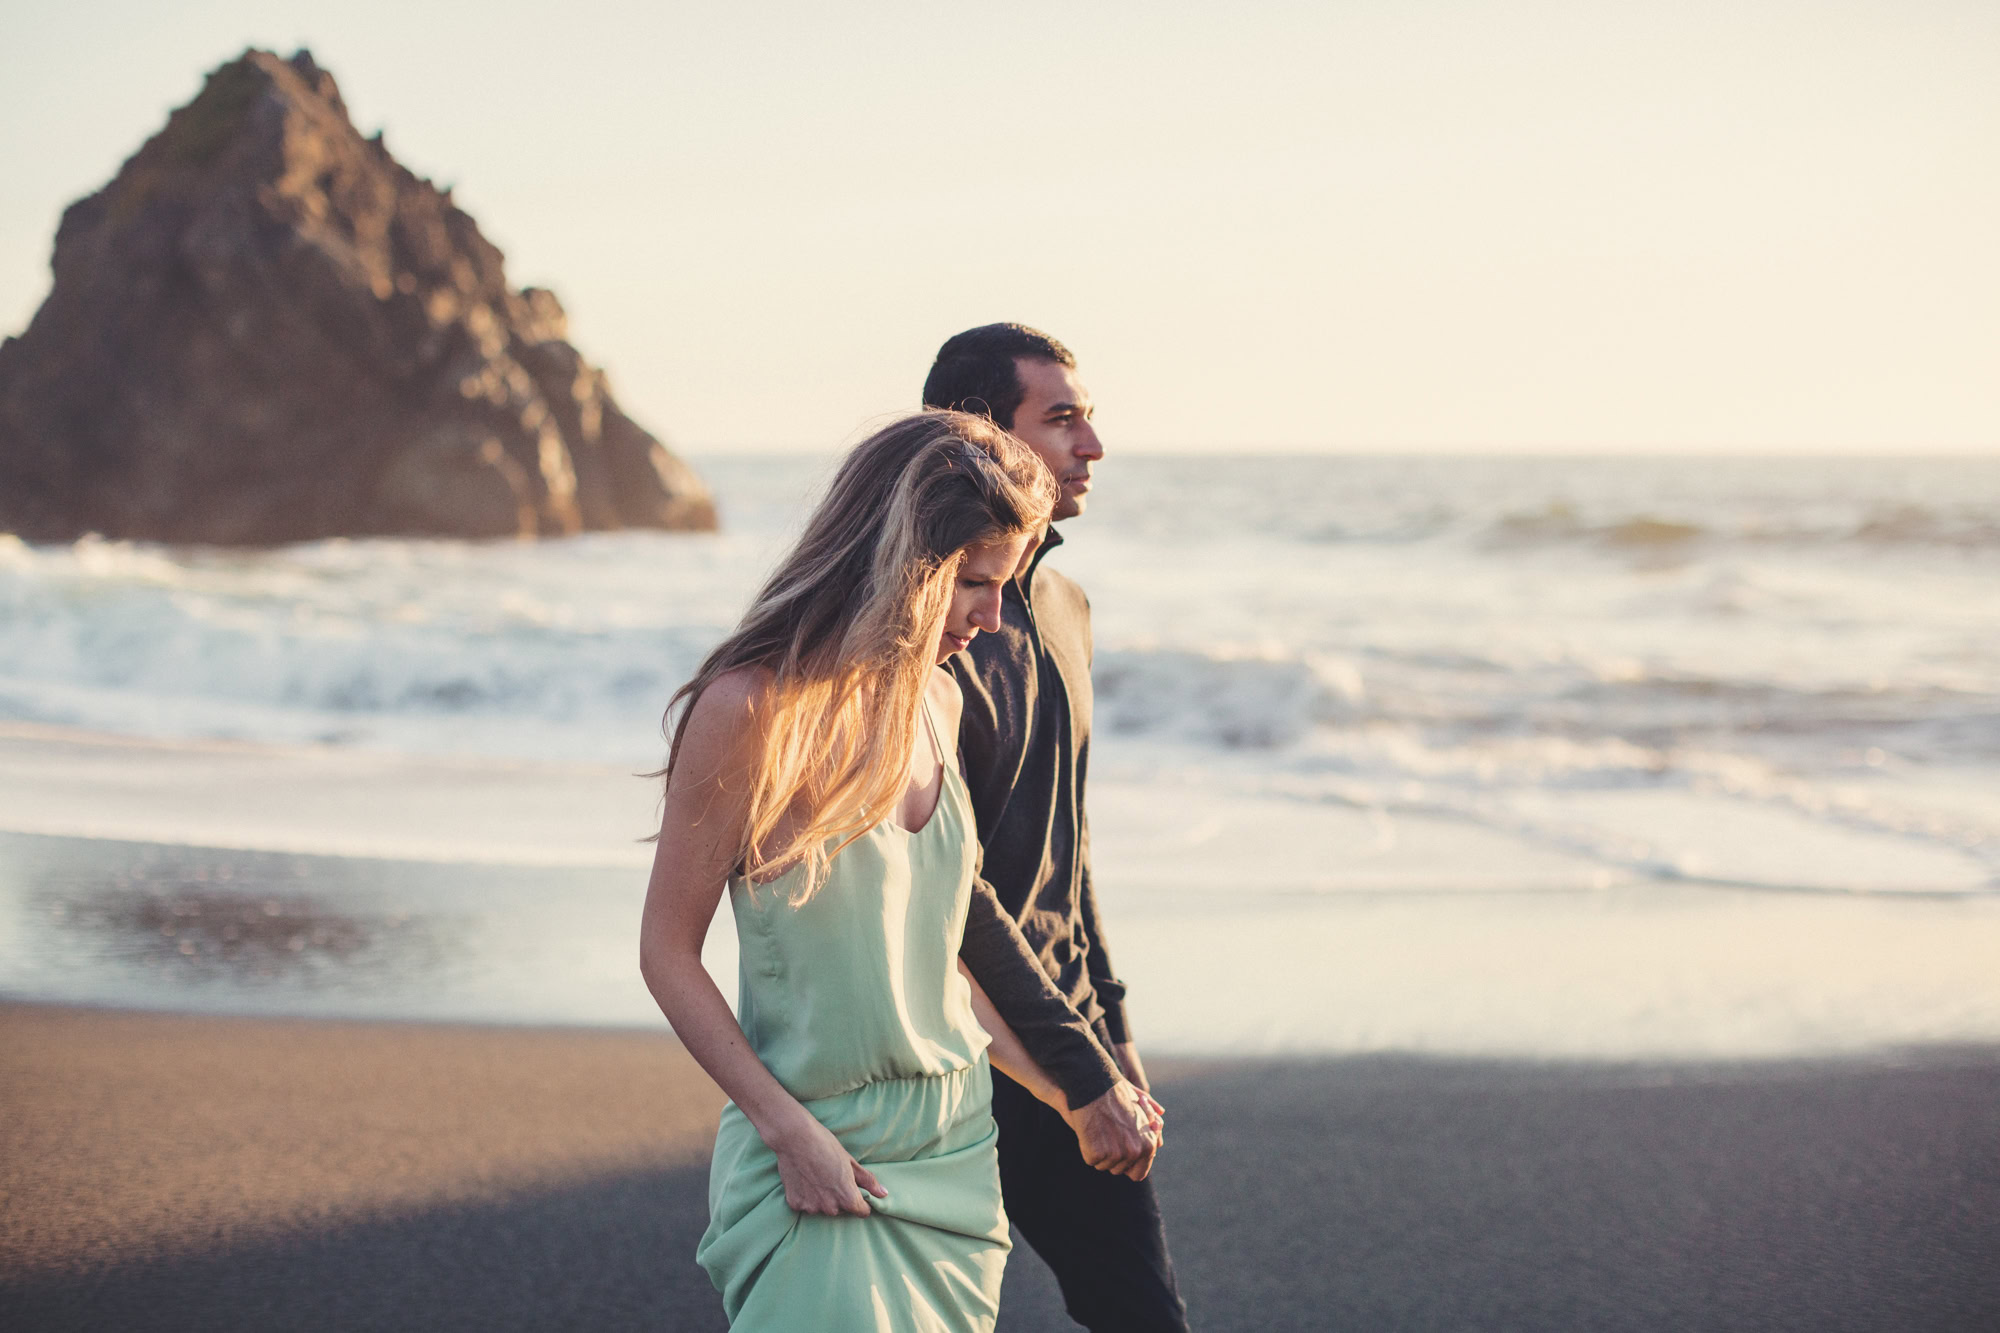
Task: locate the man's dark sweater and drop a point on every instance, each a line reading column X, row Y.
column 1025, row 742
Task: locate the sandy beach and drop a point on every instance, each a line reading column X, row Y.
column 180, row 1172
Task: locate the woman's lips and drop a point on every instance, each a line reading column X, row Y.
column 958, row 643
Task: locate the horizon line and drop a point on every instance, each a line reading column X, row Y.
column 1607, row 453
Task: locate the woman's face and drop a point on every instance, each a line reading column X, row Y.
column 983, row 570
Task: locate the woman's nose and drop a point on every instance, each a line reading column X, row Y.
column 986, row 611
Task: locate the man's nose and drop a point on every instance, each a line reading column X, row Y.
column 1088, row 446
column 986, row 612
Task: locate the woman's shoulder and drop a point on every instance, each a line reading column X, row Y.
column 725, row 705
column 735, row 688
column 945, row 698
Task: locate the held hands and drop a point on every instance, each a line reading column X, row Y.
column 820, row 1176
column 1121, row 1131
column 1127, row 1056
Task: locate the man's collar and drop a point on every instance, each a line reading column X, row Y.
column 1050, row 540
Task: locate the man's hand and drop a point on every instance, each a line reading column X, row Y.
column 1127, row 1056
column 1118, row 1132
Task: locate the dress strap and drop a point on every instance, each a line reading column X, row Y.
column 947, row 754
column 930, row 725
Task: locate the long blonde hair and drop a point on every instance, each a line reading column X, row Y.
column 845, row 630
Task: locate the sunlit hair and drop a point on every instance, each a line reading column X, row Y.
column 844, row 634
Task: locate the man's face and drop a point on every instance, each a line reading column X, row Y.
column 1054, row 420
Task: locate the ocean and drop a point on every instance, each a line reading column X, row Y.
column 1564, row 757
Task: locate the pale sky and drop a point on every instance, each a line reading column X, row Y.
column 1564, row 226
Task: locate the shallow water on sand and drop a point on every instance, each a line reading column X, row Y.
column 101, row 921
column 1538, row 971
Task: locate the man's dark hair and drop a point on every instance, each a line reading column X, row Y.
column 975, row 372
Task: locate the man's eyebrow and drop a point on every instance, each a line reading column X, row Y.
column 1058, row 408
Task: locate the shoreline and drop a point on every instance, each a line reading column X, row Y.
column 177, row 1171
column 1665, row 973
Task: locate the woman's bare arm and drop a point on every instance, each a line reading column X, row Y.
column 700, row 831
column 1007, row 1053
column 1011, row 1058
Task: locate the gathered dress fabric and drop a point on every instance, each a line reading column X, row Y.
column 854, row 1002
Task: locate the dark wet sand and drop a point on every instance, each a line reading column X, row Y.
column 165, row 1172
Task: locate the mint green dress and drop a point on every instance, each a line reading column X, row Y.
column 854, row 1001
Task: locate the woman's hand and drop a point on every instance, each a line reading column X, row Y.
column 820, row 1176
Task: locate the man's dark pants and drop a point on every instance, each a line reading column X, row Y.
column 1100, row 1233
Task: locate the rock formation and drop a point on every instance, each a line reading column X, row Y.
column 265, row 330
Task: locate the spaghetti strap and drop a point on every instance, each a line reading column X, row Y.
column 930, row 725
column 947, row 760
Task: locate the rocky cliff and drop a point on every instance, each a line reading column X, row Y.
column 266, row 330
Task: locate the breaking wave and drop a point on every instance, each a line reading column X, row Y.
column 1392, row 634
column 1969, row 527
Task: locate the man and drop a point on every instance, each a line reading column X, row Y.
column 1079, row 1198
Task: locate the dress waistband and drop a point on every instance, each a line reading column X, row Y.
column 908, row 1082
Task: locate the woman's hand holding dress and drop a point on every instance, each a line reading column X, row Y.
column 820, row 1176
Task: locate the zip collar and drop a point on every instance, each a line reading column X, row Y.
column 1050, row 540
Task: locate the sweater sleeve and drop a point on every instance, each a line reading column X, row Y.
column 1058, row 1038
column 1110, row 990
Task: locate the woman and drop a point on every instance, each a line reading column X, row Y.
column 854, row 1183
